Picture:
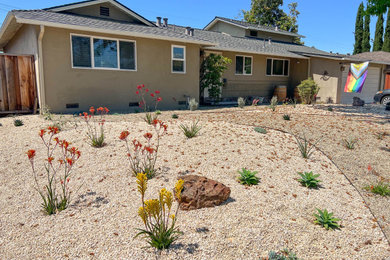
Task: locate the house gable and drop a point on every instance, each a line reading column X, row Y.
column 104, row 9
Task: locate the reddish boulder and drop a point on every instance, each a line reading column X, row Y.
column 201, row 192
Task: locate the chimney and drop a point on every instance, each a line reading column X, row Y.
column 192, row 32
column 269, row 40
column 158, row 23
column 188, row 29
column 276, row 28
column 165, row 23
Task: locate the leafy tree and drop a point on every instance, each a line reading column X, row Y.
column 366, row 46
column 264, row 12
column 211, row 70
column 358, row 47
column 377, row 7
column 386, row 42
column 378, row 40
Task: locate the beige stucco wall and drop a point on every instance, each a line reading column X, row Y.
column 25, row 41
column 273, row 36
column 228, row 28
column 115, row 89
column 330, row 85
column 259, row 84
column 94, row 10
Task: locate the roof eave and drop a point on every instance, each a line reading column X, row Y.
column 7, row 21
column 296, row 56
column 115, row 32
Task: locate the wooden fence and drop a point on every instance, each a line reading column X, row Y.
column 18, row 92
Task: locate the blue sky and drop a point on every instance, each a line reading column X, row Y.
column 327, row 25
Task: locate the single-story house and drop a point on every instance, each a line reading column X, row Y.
column 96, row 52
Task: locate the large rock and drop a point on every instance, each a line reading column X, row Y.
column 357, row 102
column 201, row 192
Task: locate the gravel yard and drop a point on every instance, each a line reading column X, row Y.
column 276, row 214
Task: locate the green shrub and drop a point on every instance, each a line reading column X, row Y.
column 309, row 180
column 305, row 147
column 192, row 130
column 193, row 105
column 158, row 112
column 18, row 122
column 260, row 130
column 175, row 116
column 326, row 220
column 330, row 109
column 307, row 90
column 241, row 102
column 286, row 117
column 380, row 135
column 274, row 103
column 284, row 255
column 349, row 143
column 247, row 177
column 380, row 188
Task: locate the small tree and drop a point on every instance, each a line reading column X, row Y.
column 366, row 46
column 359, row 30
column 386, row 42
column 307, row 90
column 212, row 68
column 378, row 40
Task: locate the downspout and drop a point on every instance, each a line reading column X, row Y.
column 308, row 68
column 40, row 74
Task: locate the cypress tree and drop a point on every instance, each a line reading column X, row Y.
column 386, row 42
column 378, row 40
column 359, row 30
column 366, row 46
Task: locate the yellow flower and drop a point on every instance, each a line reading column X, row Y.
column 142, row 183
column 142, row 214
column 172, row 217
column 152, row 208
column 179, row 188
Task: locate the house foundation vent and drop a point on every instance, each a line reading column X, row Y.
column 73, row 105
column 133, row 104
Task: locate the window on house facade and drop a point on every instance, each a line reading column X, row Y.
column 243, row 65
column 253, row 33
column 90, row 52
column 277, row 67
column 178, row 59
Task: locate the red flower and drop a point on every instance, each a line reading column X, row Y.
column 43, row 131
column 92, row 110
column 100, row 109
column 106, row 110
column 57, row 140
column 143, row 85
column 70, row 161
column 53, row 130
column 157, row 92
column 148, row 136
column 146, row 90
column 67, row 180
column 31, row 154
column 149, row 149
column 61, row 161
column 50, row 159
column 158, row 99
column 137, row 92
column 152, row 95
column 124, row 135
column 139, row 87
column 78, row 154
column 369, row 168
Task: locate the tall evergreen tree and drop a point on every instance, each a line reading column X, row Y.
column 378, row 40
column 386, row 42
column 359, row 26
column 366, row 45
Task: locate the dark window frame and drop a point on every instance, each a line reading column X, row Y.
column 269, row 71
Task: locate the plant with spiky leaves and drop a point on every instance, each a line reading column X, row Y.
column 309, row 180
column 326, row 219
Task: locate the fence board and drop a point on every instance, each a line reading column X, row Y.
column 24, row 67
column 10, row 78
column 4, row 101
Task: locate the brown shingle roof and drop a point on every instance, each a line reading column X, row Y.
column 375, row 56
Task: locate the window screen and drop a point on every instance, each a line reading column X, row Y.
column 81, row 51
column 106, row 53
column 127, row 55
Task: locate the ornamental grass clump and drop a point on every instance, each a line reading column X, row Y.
column 143, row 92
column 56, row 194
column 349, row 143
column 241, row 102
column 305, row 147
column 95, row 121
column 158, row 216
column 326, row 220
column 192, row 130
column 309, row 180
column 143, row 156
column 274, row 103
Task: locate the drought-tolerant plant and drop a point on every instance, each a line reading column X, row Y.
column 349, row 143
column 305, row 147
column 326, row 219
column 46, row 113
column 18, row 122
column 158, row 112
column 143, row 157
column 95, row 125
column 274, row 103
column 255, row 102
column 381, row 188
column 58, row 171
column 193, row 105
column 380, row 135
column 241, row 102
column 143, row 92
column 309, row 180
column 248, row 177
column 191, row 130
column 286, row 117
column 285, row 254
column 157, row 215
column 330, row 109
column 175, row 116
column 307, row 90
column 260, row 130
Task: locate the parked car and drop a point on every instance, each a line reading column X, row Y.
column 382, row 96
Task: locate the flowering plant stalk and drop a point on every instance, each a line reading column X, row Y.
column 143, row 157
column 142, row 92
column 160, row 230
column 95, row 126
column 54, row 201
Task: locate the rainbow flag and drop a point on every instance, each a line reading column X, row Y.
column 356, row 77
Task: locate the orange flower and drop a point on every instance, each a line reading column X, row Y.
column 31, row 154
column 50, row 159
column 61, row 161
column 369, row 168
column 92, row 110
column 57, row 140
column 70, row 161
column 53, row 130
column 100, row 109
column 42, row 132
column 148, row 136
column 149, row 149
column 124, row 135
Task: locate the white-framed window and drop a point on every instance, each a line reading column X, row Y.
column 244, row 65
column 278, row 67
column 178, row 59
column 90, row 52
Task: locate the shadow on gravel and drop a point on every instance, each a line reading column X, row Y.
column 90, row 199
column 190, row 248
column 367, row 110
